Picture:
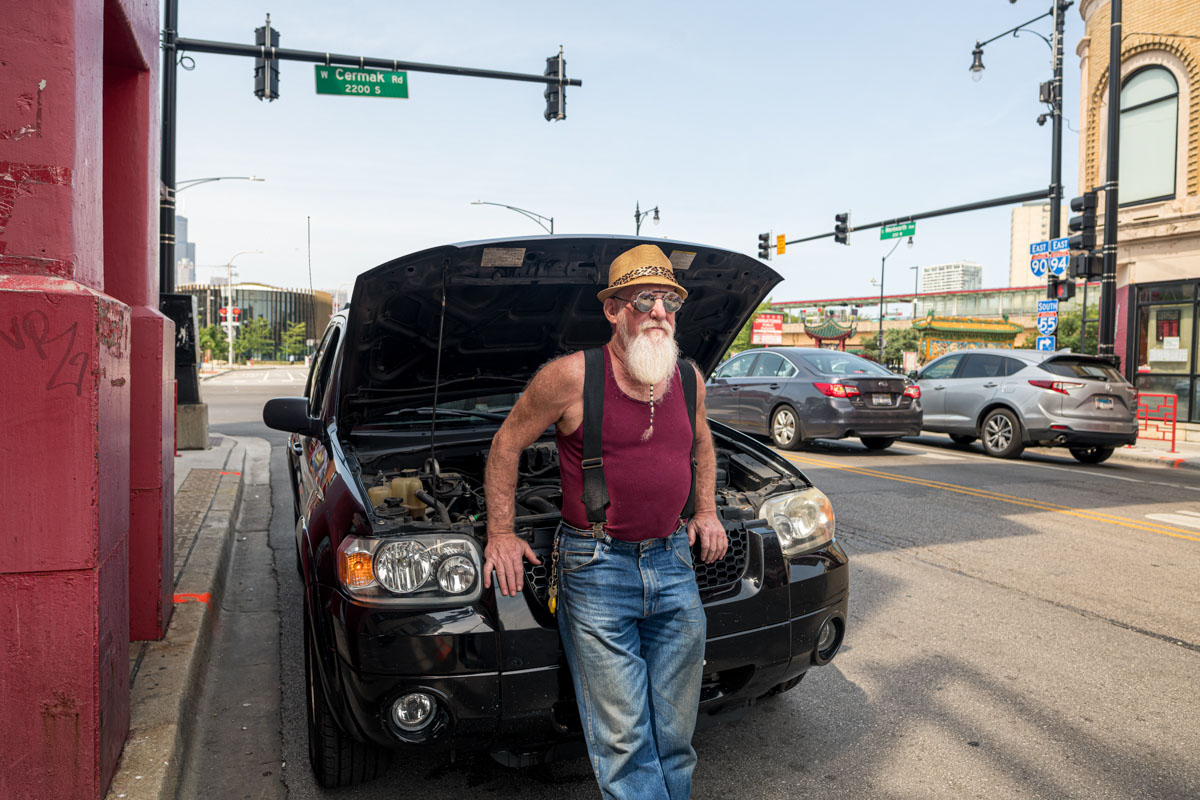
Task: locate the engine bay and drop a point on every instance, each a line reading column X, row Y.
column 408, row 487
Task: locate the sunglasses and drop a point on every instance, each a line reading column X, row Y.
column 644, row 301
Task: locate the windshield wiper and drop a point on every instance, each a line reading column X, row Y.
column 449, row 412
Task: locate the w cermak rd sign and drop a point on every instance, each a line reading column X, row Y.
column 362, row 82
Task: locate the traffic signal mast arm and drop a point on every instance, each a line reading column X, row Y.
column 941, row 212
column 330, row 59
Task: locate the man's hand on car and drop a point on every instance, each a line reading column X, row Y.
column 713, row 541
column 504, row 553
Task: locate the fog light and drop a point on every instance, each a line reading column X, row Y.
column 413, row 711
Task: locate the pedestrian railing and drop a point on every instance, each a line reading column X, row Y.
column 1156, row 415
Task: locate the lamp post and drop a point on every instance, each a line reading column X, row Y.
column 639, row 215
column 882, row 266
column 916, row 275
column 533, row 215
column 229, row 299
column 1051, row 94
column 188, row 184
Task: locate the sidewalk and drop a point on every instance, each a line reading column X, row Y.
column 166, row 675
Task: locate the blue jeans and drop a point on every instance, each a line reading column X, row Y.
column 633, row 631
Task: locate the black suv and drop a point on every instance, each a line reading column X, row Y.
column 404, row 649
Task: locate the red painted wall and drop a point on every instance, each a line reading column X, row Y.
column 72, row 284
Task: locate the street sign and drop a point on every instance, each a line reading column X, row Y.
column 767, row 329
column 1045, row 343
column 361, row 82
column 1038, row 265
column 1047, row 319
column 898, row 230
column 779, row 244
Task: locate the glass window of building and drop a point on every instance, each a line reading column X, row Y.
column 1149, row 127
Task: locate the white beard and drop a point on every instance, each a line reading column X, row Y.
column 650, row 357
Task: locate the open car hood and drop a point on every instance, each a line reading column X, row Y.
column 510, row 306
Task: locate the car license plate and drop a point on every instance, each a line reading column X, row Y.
column 1104, row 403
column 881, row 399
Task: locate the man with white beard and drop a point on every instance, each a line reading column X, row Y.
column 628, row 607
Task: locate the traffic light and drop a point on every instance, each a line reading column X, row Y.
column 1083, row 227
column 841, row 228
column 1060, row 290
column 556, row 93
column 1086, row 265
column 266, row 70
column 764, row 246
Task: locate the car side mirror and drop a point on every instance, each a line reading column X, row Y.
column 912, row 373
column 290, row 414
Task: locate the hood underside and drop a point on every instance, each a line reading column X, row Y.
column 511, row 305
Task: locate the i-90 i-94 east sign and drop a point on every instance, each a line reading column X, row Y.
column 355, row 81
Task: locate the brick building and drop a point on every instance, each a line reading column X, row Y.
column 1158, row 256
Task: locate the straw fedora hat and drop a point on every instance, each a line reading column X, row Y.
column 644, row 264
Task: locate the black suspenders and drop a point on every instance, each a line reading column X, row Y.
column 595, row 488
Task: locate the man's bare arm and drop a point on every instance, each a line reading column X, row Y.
column 543, row 403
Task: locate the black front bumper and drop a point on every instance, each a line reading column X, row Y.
column 498, row 672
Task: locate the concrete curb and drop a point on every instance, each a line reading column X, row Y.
column 1162, row 458
column 168, row 673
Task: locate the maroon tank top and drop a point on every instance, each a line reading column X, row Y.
column 648, row 481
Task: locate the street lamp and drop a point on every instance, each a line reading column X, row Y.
column 533, row 215
column 229, row 299
column 1051, row 95
column 916, row 275
column 882, row 265
column 188, row 184
column 639, row 215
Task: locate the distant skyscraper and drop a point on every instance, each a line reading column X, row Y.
column 185, row 253
column 952, row 277
column 1030, row 223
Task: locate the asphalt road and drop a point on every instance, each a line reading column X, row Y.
column 1023, row 628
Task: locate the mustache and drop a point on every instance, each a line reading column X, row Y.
column 650, row 325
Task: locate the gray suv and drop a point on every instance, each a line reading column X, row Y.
column 1011, row 399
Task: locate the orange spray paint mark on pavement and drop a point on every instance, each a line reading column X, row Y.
column 231, row 473
column 205, row 598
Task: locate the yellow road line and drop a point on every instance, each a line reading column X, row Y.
column 1095, row 516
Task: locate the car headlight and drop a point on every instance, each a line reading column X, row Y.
column 440, row 569
column 802, row 520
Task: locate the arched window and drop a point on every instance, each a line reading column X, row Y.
column 1148, row 138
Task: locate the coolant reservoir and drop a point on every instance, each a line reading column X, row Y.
column 378, row 494
column 406, row 487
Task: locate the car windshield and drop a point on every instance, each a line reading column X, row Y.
column 837, row 363
column 1088, row 368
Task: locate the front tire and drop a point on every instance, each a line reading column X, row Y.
column 785, row 428
column 1091, row 455
column 336, row 759
column 1001, row 434
column 877, row 442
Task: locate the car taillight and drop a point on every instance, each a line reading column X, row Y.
column 913, row 391
column 1062, row 387
column 837, row 389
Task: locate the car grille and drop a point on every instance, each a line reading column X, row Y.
column 709, row 577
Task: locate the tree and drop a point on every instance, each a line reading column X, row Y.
column 295, row 339
column 253, row 337
column 1067, row 334
column 896, row 343
column 213, row 340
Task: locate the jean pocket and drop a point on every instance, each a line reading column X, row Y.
column 574, row 556
column 684, row 554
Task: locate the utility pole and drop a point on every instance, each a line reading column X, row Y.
column 1106, row 345
column 1056, row 187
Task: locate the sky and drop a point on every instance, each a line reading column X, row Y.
column 732, row 119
